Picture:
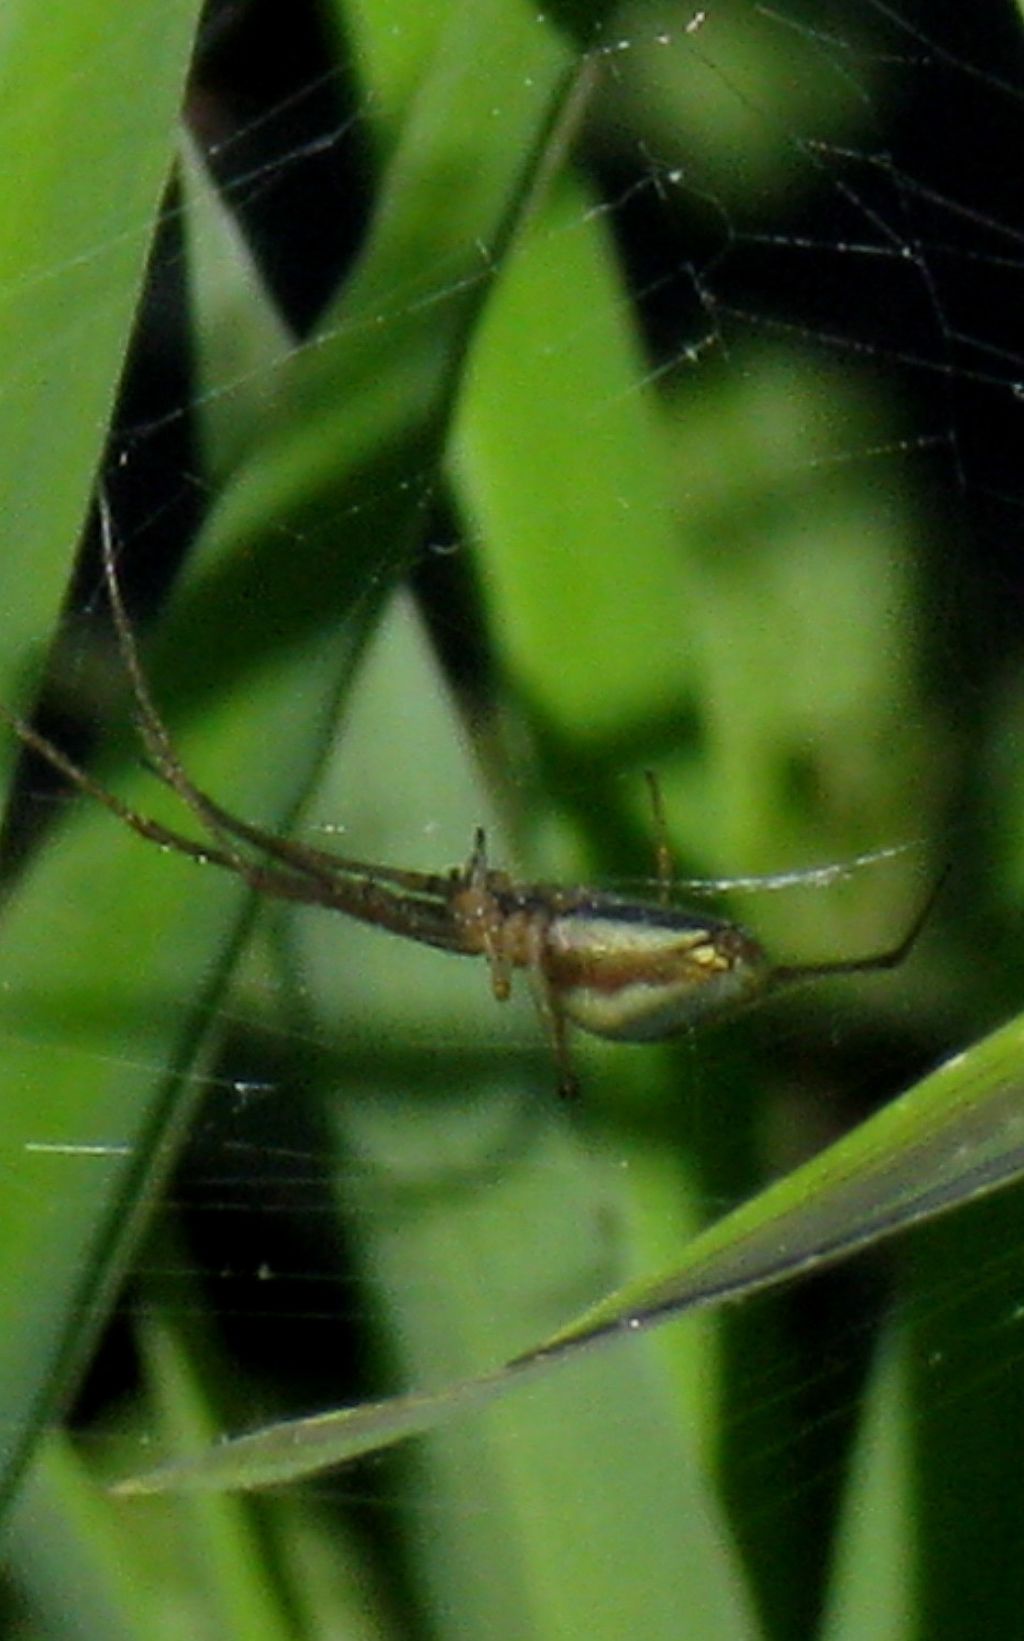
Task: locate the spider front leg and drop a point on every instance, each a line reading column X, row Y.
column 163, row 756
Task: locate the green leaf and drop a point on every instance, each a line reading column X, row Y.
column 955, row 1137
column 293, row 570
column 80, row 189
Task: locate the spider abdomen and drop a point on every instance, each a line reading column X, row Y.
column 638, row 973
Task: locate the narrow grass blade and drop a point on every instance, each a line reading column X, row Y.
column 958, row 1135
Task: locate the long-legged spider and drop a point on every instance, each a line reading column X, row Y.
column 630, row 969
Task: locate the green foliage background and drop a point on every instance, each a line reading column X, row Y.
column 682, row 572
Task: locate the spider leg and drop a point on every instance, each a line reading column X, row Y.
column 550, row 1011
column 557, row 1031
column 890, row 958
column 664, row 865
column 152, row 830
column 476, row 870
column 418, row 905
column 261, row 878
column 157, row 741
column 316, row 877
column 422, row 915
column 415, row 904
column 486, row 916
column 320, row 864
column 501, row 971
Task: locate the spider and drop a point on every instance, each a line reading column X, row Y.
column 634, row 970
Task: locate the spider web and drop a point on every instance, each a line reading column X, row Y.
column 814, row 215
